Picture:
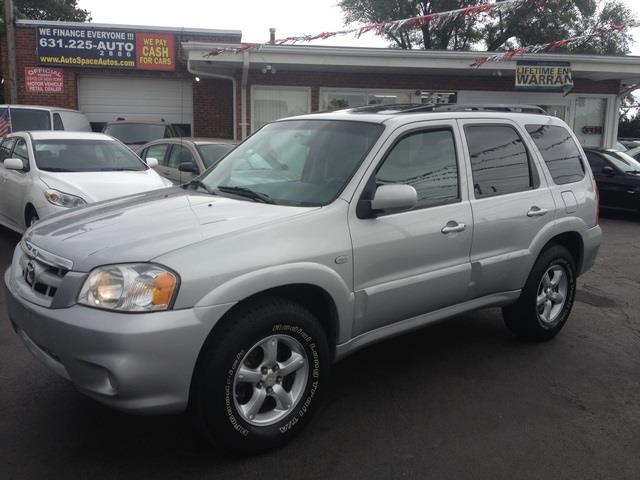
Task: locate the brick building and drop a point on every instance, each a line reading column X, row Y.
column 232, row 94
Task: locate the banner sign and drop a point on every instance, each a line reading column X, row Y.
column 43, row 80
column 106, row 48
column 549, row 76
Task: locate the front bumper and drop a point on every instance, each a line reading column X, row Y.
column 141, row 363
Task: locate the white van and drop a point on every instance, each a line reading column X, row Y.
column 21, row 118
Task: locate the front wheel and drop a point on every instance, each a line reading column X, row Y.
column 547, row 298
column 260, row 377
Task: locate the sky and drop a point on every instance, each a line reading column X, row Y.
column 253, row 17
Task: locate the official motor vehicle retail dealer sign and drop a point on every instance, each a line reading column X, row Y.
column 548, row 76
column 43, row 80
column 106, row 48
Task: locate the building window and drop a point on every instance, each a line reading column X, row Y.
column 336, row 99
column 589, row 120
column 271, row 103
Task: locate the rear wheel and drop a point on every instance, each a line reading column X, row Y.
column 260, row 377
column 547, row 298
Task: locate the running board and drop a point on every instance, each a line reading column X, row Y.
column 414, row 323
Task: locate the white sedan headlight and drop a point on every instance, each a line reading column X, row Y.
column 130, row 287
column 62, row 199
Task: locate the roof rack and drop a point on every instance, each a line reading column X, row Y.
column 451, row 107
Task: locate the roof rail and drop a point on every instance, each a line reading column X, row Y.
column 450, row 107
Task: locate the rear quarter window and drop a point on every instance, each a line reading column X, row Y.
column 559, row 151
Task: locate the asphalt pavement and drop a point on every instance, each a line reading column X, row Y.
column 458, row 400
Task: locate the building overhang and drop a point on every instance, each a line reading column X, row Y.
column 384, row 60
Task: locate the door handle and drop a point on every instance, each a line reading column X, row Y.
column 537, row 212
column 453, row 227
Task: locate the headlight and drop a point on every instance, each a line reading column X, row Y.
column 132, row 287
column 63, row 199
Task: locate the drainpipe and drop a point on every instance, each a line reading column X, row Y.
column 199, row 73
column 243, row 93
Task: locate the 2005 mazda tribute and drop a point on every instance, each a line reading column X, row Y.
column 230, row 297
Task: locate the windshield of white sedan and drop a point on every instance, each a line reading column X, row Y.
column 85, row 156
column 297, row 162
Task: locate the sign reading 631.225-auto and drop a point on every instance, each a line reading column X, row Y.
column 106, row 48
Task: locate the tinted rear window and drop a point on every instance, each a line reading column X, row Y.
column 499, row 160
column 211, row 153
column 560, row 152
column 23, row 119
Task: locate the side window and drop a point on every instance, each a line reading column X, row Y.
column 596, row 161
column 560, row 152
column 24, row 119
column 499, row 160
column 179, row 154
column 427, row 161
column 158, row 152
column 20, row 151
column 57, row 122
column 6, row 147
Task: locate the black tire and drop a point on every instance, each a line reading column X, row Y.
column 31, row 217
column 523, row 317
column 214, row 393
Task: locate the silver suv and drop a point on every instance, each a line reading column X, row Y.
column 230, row 297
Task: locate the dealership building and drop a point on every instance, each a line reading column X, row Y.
column 190, row 77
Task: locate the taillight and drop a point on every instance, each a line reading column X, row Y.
column 595, row 189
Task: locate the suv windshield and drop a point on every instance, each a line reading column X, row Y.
column 297, row 162
column 623, row 161
column 137, row 133
column 211, row 153
column 85, row 156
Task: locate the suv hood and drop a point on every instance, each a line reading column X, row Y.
column 141, row 227
column 97, row 186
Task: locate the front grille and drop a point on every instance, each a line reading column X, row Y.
column 39, row 277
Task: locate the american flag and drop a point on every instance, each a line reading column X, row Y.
column 5, row 123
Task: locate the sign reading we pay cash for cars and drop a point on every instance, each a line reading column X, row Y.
column 549, row 76
column 106, row 48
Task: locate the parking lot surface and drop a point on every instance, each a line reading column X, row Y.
column 458, row 400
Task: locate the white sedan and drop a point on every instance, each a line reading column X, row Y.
column 46, row 172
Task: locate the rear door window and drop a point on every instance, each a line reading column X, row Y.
column 499, row 160
column 24, row 119
column 560, row 152
column 180, row 154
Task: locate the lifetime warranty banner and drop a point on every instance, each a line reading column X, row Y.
column 549, row 76
column 106, row 48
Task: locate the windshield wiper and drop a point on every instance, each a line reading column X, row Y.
column 248, row 193
column 120, row 170
column 195, row 183
column 635, row 172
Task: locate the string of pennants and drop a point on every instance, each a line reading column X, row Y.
column 547, row 47
column 413, row 23
column 394, row 26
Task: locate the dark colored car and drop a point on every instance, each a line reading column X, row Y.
column 137, row 133
column 618, row 177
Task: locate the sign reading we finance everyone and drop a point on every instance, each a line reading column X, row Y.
column 106, row 48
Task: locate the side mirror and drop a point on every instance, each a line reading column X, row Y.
column 13, row 164
column 608, row 171
column 188, row 167
column 151, row 162
column 388, row 199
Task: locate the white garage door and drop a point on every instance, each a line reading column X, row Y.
column 104, row 99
